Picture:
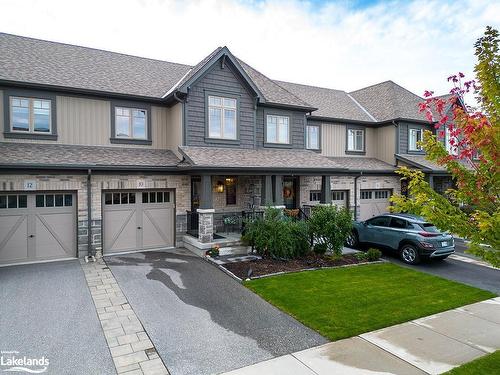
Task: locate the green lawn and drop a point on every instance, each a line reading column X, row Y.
column 345, row 302
column 487, row 365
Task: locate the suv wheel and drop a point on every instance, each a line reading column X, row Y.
column 409, row 254
column 352, row 240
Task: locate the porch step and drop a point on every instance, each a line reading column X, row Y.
column 234, row 250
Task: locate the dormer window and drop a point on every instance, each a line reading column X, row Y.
column 277, row 129
column 222, row 117
column 414, row 136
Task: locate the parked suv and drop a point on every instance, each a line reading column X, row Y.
column 410, row 235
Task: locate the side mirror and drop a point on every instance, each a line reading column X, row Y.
column 364, row 223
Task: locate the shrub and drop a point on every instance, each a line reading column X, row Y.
column 277, row 236
column 330, row 226
column 373, row 254
column 361, row 257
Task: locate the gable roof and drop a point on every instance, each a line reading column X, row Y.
column 388, row 101
column 330, row 103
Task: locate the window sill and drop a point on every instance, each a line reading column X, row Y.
column 278, row 145
column 222, row 141
column 131, row 141
column 314, row 149
column 416, row 152
column 351, row 152
column 46, row 137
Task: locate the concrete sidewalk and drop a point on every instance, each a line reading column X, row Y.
column 430, row 345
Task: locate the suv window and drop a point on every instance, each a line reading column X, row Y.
column 396, row 222
column 379, row 221
column 428, row 227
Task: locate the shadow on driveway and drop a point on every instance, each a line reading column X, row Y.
column 46, row 310
column 200, row 319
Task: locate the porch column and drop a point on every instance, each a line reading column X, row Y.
column 431, row 181
column 326, row 190
column 266, row 191
column 206, row 211
column 278, row 190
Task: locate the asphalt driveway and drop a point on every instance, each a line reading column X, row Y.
column 46, row 310
column 200, row 320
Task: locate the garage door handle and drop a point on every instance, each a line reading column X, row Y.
column 139, row 227
column 31, row 236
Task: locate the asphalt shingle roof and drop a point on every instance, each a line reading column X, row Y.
column 388, row 101
column 56, row 155
column 330, row 103
column 420, row 161
column 50, row 63
column 214, row 157
column 362, row 163
column 272, row 90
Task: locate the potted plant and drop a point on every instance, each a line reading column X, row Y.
column 214, row 251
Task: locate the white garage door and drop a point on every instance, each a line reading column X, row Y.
column 135, row 220
column 37, row 226
column 373, row 203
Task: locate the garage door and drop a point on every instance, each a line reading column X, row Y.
column 135, row 220
column 374, row 202
column 339, row 198
column 37, row 226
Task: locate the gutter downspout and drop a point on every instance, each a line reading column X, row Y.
column 179, row 100
column 356, row 196
column 90, row 253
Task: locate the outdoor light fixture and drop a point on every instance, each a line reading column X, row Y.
column 219, row 188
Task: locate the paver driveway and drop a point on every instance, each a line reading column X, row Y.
column 200, row 320
column 46, row 310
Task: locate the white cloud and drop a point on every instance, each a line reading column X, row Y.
column 415, row 43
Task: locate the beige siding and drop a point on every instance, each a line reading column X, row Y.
column 386, row 144
column 83, row 121
column 174, row 129
column 333, row 139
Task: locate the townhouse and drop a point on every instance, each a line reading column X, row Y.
column 106, row 152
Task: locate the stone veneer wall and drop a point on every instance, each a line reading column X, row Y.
column 78, row 184
column 247, row 189
column 308, row 183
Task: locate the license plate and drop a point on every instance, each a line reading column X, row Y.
column 444, row 243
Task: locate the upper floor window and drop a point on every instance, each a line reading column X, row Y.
column 312, row 137
column 355, row 140
column 414, row 136
column 222, row 117
column 278, row 129
column 130, row 123
column 30, row 115
column 449, row 139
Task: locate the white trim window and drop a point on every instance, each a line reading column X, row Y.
column 355, row 140
column 414, row 136
column 131, row 123
column 222, row 119
column 452, row 149
column 278, row 129
column 30, row 115
column 312, row 137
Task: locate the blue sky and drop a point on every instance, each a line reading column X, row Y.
column 338, row 44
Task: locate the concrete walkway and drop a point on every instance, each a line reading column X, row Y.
column 430, row 345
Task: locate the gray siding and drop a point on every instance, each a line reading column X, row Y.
column 297, row 123
column 403, row 136
column 221, row 81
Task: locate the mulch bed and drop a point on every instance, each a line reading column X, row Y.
column 266, row 266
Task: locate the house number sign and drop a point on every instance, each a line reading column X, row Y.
column 141, row 184
column 29, row 184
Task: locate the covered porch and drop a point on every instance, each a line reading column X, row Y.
column 240, row 184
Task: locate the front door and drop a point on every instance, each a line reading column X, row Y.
column 290, row 192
